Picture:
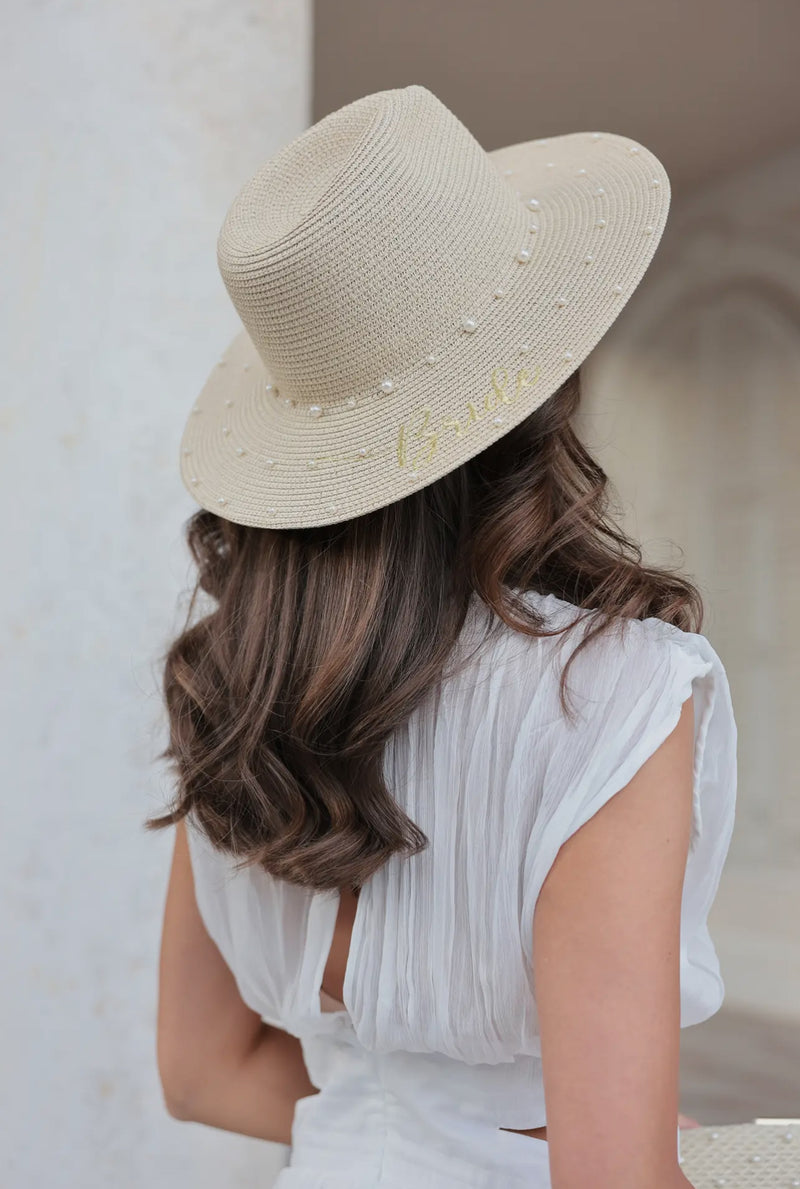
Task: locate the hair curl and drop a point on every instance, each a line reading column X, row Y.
column 324, row 640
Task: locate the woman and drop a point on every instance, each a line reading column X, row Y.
column 456, row 770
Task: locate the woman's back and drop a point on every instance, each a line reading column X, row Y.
column 437, row 1046
column 392, row 431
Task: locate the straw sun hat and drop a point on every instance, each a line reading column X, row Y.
column 407, row 298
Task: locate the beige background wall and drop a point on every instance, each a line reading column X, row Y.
column 708, row 84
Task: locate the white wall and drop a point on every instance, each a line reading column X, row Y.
column 127, row 130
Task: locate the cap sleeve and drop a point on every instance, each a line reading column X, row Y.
column 629, row 691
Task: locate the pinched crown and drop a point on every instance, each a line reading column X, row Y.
column 364, row 240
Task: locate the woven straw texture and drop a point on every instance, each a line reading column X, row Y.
column 742, row 1156
column 407, row 298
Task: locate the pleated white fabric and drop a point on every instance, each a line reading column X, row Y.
column 437, row 1046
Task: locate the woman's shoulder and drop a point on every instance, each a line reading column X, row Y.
column 637, row 641
column 627, row 671
column 628, row 688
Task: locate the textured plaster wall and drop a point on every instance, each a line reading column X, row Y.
column 127, row 129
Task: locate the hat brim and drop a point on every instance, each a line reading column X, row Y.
column 603, row 202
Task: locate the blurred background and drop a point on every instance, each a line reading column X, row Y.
column 127, row 130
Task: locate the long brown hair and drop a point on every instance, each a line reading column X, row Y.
column 322, row 641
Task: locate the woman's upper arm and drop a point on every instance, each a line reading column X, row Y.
column 203, row 1023
column 606, row 941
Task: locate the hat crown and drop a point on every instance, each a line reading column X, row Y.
column 362, row 245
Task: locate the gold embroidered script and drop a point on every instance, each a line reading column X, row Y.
column 418, row 439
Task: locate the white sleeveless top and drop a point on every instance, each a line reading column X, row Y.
column 439, row 1024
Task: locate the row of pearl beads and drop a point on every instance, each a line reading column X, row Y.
column 387, row 385
column 362, row 452
column 468, row 323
